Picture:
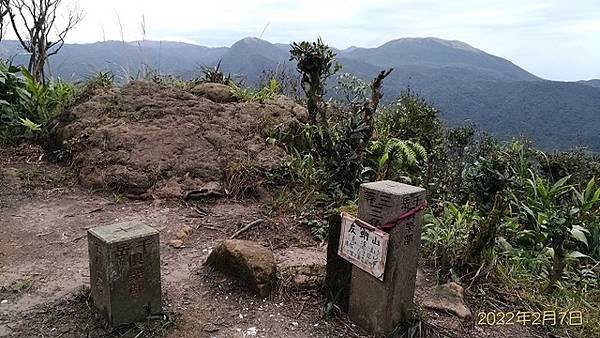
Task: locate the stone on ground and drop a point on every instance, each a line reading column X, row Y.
column 210, row 189
column 250, row 262
column 448, row 297
column 176, row 243
column 302, row 268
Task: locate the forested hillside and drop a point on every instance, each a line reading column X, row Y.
column 466, row 84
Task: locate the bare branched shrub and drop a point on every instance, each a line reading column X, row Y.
column 339, row 142
column 37, row 29
column 3, row 16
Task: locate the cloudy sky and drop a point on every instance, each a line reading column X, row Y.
column 554, row 39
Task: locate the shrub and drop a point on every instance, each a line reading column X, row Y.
column 410, row 117
column 268, row 92
column 289, row 83
column 338, row 136
column 12, row 90
column 562, row 218
column 392, row 157
column 215, row 75
column 27, row 106
column 445, row 236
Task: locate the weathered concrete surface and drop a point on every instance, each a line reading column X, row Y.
column 448, row 297
column 125, row 271
column 249, row 261
column 377, row 306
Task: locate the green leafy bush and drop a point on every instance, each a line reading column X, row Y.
column 562, row 218
column 27, row 106
column 338, row 134
column 445, row 236
column 392, row 157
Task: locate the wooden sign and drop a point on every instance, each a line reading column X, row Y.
column 363, row 245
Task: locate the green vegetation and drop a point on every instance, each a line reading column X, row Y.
column 215, row 75
column 26, row 106
column 268, row 92
column 504, row 218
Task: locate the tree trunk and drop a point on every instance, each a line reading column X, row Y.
column 558, row 265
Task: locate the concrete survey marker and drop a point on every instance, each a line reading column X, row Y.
column 380, row 306
column 125, row 271
column 363, row 245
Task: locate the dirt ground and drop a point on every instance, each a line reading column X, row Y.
column 44, row 216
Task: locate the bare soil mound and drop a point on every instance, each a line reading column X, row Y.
column 149, row 138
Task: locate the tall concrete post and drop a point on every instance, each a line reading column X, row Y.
column 379, row 307
column 125, row 271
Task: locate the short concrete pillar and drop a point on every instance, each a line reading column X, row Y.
column 379, row 307
column 125, row 271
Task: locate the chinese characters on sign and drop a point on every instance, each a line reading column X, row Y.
column 363, row 245
column 98, row 276
column 378, row 202
column 132, row 257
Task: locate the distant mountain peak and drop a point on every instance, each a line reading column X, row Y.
column 465, row 83
column 349, row 49
column 251, row 40
column 447, row 43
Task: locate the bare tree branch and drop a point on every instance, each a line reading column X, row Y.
column 3, row 16
column 36, row 27
column 370, row 107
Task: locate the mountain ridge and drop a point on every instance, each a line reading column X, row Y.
column 465, row 83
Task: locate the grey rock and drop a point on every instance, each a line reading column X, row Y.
column 448, row 297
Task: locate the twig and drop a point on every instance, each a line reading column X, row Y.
column 250, row 225
column 44, row 234
column 208, row 227
column 201, row 212
column 78, row 238
column 301, row 310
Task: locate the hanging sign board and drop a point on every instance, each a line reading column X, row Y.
column 363, row 245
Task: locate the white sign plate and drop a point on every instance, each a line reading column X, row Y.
column 363, row 245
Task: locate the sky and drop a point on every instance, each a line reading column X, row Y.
column 554, row 39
